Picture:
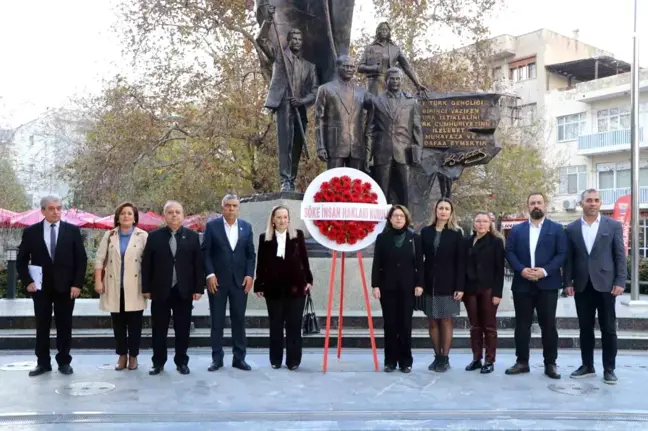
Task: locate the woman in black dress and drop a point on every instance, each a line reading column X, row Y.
column 283, row 278
column 396, row 277
column 442, row 244
column 483, row 289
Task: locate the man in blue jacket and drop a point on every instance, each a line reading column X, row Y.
column 536, row 251
column 229, row 259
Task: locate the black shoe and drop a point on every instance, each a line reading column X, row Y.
column 518, row 368
column 583, row 371
column 292, row 367
column 609, row 377
column 183, row 369
column 40, row 369
column 406, row 370
column 65, row 369
column 276, row 366
column 443, row 365
column 487, row 368
column 390, row 368
column 241, row 365
column 154, row 371
column 215, row 366
column 551, row 371
column 434, row 363
column 474, row 365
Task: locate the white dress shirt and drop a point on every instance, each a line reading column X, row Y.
column 590, row 232
column 232, row 232
column 281, row 244
column 534, row 236
column 47, row 227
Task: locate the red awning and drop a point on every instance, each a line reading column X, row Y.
column 27, row 218
column 5, row 217
column 147, row 220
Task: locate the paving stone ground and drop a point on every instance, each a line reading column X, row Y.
column 350, row 396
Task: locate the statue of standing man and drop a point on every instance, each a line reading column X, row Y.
column 293, row 88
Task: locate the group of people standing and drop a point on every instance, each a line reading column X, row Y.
column 439, row 268
column 171, row 268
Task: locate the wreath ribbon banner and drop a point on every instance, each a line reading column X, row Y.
column 348, row 211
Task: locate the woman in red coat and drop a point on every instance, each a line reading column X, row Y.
column 283, row 278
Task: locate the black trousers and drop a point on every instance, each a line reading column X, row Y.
column 286, row 312
column 127, row 327
column 397, row 309
column 588, row 303
column 46, row 301
column 393, row 177
column 544, row 302
column 217, row 307
column 161, row 315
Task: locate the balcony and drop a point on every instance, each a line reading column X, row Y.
column 610, row 196
column 607, row 142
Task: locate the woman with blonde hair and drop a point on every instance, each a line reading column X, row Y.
column 118, row 279
column 283, row 278
column 484, row 252
column 442, row 243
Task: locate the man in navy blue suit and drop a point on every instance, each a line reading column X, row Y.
column 229, row 259
column 536, row 251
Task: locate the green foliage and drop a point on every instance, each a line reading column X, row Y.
column 21, row 291
column 12, row 192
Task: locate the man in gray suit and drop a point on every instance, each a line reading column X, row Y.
column 397, row 139
column 303, row 77
column 339, row 125
column 595, row 273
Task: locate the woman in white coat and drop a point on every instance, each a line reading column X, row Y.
column 118, row 279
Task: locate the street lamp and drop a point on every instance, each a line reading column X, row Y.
column 12, row 276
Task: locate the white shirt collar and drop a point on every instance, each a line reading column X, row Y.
column 539, row 224
column 281, row 235
column 230, row 225
column 598, row 220
column 48, row 224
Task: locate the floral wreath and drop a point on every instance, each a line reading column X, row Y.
column 347, row 190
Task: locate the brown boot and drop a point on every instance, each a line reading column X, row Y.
column 132, row 362
column 121, row 363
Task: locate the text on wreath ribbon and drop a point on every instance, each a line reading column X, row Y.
column 348, row 211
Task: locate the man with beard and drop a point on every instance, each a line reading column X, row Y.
column 595, row 272
column 536, row 251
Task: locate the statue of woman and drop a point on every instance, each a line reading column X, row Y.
column 380, row 56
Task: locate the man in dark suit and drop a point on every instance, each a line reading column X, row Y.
column 595, row 272
column 397, row 137
column 56, row 247
column 303, row 78
column 229, row 259
column 339, row 125
column 172, row 277
column 536, row 251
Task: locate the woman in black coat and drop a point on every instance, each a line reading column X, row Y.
column 283, row 278
column 483, row 289
column 442, row 244
column 396, row 277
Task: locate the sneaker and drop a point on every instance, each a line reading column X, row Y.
column 583, row 371
column 609, row 377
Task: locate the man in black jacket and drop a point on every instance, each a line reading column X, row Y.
column 172, row 277
column 52, row 263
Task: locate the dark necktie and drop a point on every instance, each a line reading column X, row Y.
column 174, row 247
column 52, row 240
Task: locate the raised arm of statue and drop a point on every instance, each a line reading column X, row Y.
column 263, row 40
column 407, row 68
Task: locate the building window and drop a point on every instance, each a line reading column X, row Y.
column 643, row 234
column 570, row 126
column 619, row 175
column 573, row 180
column 613, row 119
column 522, row 69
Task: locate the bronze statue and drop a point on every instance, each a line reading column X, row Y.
column 381, row 55
column 339, row 125
column 397, row 138
column 292, row 89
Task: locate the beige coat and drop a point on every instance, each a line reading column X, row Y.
column 133, row 299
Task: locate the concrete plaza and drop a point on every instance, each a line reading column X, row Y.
column 351, row 396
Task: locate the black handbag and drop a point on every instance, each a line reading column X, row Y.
column 310, row 324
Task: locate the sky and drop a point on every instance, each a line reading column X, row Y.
column 53, row 51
